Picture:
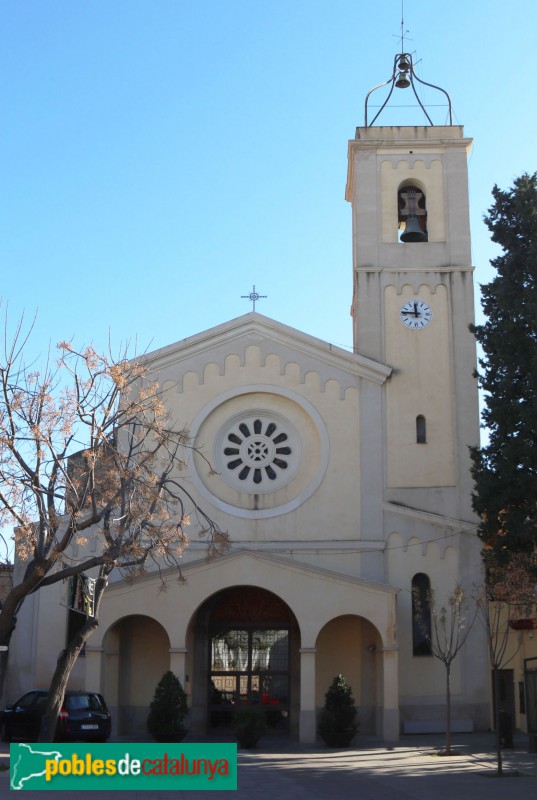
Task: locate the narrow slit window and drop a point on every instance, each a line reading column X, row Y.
column 421, row 429
column 421, row 615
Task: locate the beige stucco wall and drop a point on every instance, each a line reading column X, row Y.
column 136, row 654
column 440, row 564
column 326, row 417
column 422, row 384
column 314, row 597
column 350, row 646
column 380, row 159
column 428, row 176
column 338, row 646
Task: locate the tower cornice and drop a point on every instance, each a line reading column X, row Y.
column 396, row 139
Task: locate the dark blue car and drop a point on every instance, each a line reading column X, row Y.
column 83, row 717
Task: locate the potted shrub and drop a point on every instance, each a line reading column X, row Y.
column 337, row 725
column 168, row 710
column 249, row 724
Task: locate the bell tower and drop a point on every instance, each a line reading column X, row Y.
column 413, row 298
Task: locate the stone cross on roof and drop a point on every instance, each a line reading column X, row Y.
column 253, row 297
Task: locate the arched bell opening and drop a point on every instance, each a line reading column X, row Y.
column 244, row 644
column 412, row 213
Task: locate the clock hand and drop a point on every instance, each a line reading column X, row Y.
column 416, row 312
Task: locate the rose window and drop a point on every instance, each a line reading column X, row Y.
column 258, row 452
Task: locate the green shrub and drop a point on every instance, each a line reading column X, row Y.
column 337, row 725
column 249, row 724
column 168, row 710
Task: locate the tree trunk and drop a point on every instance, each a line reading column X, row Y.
column 66, row 661
column 4, row 655
column 448, row 709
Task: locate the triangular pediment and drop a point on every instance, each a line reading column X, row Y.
column 303, row 587
column 242, row 562
column 246, row 558
column 272, row 338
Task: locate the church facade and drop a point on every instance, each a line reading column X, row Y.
column 342, row 478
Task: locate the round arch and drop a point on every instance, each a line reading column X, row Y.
column 136, row 654
column 243, row 649
column 350, row 645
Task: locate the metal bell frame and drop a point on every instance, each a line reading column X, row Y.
column 403, row 76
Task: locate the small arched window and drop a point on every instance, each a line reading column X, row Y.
column 421, row 429
column 421, row 615
column 412, row 214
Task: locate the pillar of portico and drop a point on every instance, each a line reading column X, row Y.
column 178, row 663
column 308, row 720
column 390, row 710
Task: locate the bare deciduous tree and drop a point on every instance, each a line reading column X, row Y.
column 450, row 627
column 509, row 594
column 88, row 450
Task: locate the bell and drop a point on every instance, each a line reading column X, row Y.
column 413, row 231
column 403, row 63
column 402, row 81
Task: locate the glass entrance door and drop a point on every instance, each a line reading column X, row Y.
column 250, row 666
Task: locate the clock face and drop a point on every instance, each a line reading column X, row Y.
column 416, row 314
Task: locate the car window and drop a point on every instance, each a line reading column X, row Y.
column 81, row 702
column 96, row 702
column 77, row 702
column 30, row 699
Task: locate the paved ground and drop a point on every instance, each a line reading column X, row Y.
column 409, row 770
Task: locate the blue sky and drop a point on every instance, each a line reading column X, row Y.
column 159, row 157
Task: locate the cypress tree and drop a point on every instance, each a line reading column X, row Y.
column 505, row 469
